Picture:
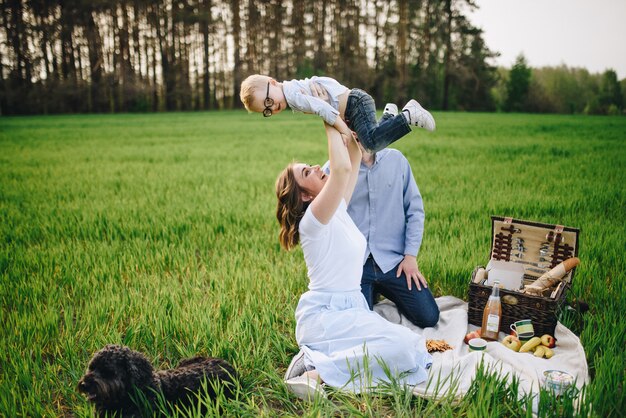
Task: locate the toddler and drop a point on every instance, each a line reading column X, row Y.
column 346, row 110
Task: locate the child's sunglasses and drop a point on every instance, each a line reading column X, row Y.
column 268, row 103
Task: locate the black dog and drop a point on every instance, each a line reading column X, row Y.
column 118, row 376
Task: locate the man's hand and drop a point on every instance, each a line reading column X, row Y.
column 412, row 272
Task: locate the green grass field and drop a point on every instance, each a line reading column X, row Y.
column 158, row 231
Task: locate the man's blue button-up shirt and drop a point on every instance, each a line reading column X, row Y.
column 387, row 208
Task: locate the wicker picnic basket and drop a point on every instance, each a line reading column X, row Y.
column 538, row 247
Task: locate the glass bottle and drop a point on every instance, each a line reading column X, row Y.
column 492, row 315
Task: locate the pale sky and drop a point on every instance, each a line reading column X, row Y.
column 577, row 33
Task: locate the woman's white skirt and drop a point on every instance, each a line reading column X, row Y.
column 354, row 348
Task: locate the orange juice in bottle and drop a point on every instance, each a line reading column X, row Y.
column 492, row 315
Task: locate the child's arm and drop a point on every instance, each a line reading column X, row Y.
column 303, row 100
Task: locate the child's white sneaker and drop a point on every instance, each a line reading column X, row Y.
column 305, row 387
column 418, row 116
column 390, row 109
column 296, row 367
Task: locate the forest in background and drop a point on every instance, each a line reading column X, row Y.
column 76, row 56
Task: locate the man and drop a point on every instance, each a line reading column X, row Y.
column 387, row 208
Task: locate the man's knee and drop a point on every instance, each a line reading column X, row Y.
column 431, row 318
column 424, row 318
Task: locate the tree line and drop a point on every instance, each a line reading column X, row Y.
column 60, row 56
column 140, row 55
column 559, row 90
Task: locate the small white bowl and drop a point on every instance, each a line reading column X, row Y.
column 557, row 381
column 477, row 344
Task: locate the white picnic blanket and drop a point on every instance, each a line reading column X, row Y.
column 457, row 367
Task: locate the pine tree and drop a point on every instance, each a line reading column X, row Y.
column 611, row 99
column 518, row 85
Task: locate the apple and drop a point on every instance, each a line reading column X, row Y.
column 512, row 342
column 548, row 340
column 469, row 336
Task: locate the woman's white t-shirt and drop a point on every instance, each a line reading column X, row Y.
column 333, row 252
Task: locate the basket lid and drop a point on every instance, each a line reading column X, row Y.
column 539, row 247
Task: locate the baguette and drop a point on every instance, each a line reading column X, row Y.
column 549, row 279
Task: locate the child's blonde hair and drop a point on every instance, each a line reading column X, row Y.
column 249, row 86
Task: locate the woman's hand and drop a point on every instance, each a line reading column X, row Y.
column 319, row 92
column 412, row 272
column 346, row 140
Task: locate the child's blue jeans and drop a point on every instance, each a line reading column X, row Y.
column 374, row 135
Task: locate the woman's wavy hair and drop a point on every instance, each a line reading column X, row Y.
column 290, row 207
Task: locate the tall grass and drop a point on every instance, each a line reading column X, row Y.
column 158, row 232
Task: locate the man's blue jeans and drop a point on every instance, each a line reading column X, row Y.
column 418, row 306
column 374, row 135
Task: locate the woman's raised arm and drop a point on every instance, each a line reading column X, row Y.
column 326, row 202
column 354, row 150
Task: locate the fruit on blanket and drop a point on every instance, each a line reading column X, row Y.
column 548, row 352
column 530, row 345
column 511, row 342
column 540, row 351
column 469, row 336
column 548, row 340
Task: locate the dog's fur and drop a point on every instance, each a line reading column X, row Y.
column 118, row 376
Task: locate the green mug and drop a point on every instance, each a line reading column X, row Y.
column 523, row 329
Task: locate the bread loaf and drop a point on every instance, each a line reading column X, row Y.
column 550, row 278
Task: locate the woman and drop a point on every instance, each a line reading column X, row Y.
column 345, row 345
